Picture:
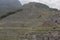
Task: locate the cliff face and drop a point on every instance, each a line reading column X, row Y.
column 33, row 15
column 9, row 5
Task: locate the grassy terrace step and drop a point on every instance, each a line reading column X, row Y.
column 31, row 28
column 7, row 32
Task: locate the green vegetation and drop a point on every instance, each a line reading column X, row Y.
column 32, row 28
column 16, row 33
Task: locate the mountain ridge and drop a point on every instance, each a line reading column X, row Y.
column 8, row 6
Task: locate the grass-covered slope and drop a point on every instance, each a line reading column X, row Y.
column 24, row 34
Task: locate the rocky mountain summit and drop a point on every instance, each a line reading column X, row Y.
column 32, row 15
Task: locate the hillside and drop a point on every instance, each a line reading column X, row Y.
column 33, row 15
column 33, row 21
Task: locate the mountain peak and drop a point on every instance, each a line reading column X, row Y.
column 9, row 5
column 32, row 15
column 36, row 4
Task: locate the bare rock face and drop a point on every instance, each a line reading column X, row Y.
column 8, row 6
column 32, row 15
column 53, row 20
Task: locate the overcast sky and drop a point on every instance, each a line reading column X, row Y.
column 50, row 3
